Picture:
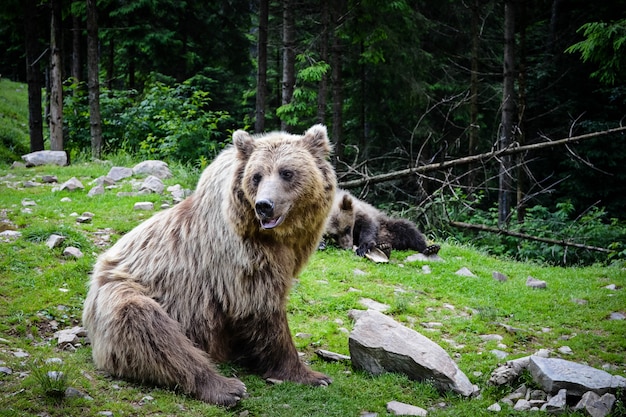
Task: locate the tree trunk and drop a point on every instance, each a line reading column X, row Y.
column 56, row 78
column 261, row 76
column 472, row 145
column 323, row 86
column 336, row 79
column 507, row 134
column 289, row 56
column 76, row 52
column 93, row 79
column 521, row 83
column 33, row 74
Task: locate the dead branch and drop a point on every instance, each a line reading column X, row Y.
column 374, row 179
column 484, row 228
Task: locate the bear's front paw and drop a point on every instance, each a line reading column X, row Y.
column 223, row 391
column 316, row 378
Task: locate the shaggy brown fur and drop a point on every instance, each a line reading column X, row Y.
column 207, row 280
column 355, row 222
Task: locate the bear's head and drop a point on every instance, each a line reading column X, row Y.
column 340, row 224
column 287, row 180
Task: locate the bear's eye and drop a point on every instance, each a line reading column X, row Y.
column 347, row 230
column 256, row 178
column 286, row 174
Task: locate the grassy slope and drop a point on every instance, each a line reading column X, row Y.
column 40, row 289
column 13, row 119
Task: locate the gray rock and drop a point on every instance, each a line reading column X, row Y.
column 402, row 409
column 554, row 374
column 152, row 184
column 379, row 344
column 72, row 184
column 465, row 272
column 495, row 407
column 594, row 405
column 45, row 158
column 49, row 179
column 74, row 393
column 373, row 305
column 498, row 276
column 509, row 371
column 119, row 173
column 144, row 205
column 617, row 316
column 332, row 356
column 521, row 405
column 535, row 283
column 83, row 219
column 556, row 403
column 151, row 167
column 73, row 252
column 97, row 190
column 9, row 235
column 103, row 180
column 500, row 354
column 54, row 240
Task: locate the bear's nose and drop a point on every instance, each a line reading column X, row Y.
column 265, row 208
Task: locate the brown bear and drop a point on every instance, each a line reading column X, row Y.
column 207, row 280
column 353, row 222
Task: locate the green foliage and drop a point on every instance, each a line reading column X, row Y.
column 605, row 45
column 174, row 123
column 51, row 378
column 591, row 228
column 165, row 122
column 303, row 105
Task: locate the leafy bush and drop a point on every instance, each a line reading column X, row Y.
column 166, row 122
column 591, row 228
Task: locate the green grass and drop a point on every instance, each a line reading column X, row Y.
column 14, row 139
column 40, row 290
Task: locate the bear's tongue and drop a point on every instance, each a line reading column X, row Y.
column 271, row 223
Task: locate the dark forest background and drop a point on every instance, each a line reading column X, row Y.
column 400, row 85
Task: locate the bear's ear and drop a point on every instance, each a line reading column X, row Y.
column 244, row 143
column 316, row 141
column 346, row 203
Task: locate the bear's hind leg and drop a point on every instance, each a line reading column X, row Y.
column 266, row 346
column 134, row 338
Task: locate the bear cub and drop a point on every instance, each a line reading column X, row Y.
column 207, row 280
column 353, row 222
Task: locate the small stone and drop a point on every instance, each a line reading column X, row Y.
column 83, row 219
column 465, row 272
column 119, row 173
column 74, row 393
column 535, row 283
column 6, row 371
column 54, row 240
column 495, row 407
column 565, row 350
column 97, row 190
column 304, row 335
column 49, row 179
column 72, row 184
column 331, row 356
column 498, row 276
column 27, row 202
column 499, row 353
column 66, row 200
column 30, row 184
column 426, row 269
column 71, row 251
column 490, row 337
column 9, row 235
column 556, row 403
column 144, row 205
column 57, row 361
column 402, row 409
column 521, row 405
column 373, row 305
column 611, row 287
column 617, row 316
column 152, row 184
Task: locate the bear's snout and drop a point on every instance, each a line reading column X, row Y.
column 264, row 208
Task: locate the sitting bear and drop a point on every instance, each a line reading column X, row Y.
column 353, row 222
column 207, row 280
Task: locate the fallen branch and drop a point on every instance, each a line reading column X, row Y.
column 484, row 228
column 374, row 179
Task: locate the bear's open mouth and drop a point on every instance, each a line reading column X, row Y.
column 271, row 223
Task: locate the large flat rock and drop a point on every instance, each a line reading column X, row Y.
column 379, row 344
column 554, row 374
